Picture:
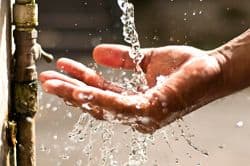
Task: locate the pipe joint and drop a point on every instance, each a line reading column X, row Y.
column 25, row 15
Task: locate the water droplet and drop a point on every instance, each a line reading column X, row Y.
column 55, row 137
column 138, row 106
column 54, row 109
column 64, row 157
column 69, row 115
column 81, row 96
column 177, row 161
column 41, row 108
column 86, row 107
column 68, row 103
column 48, row 105
column 144, row 120
column 90, row 97
column 221, row 146
column 240, row 124
column 42, row 148
column 79, row 163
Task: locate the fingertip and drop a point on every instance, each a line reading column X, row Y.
column 112, row 55
column 100, row 53
column 42, row 76
column 45, row 75
column 96, row 52
column 59, row 63
column 49, row 85
column 70, row 66
column 60, row 60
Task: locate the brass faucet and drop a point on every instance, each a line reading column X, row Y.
column 25, row 80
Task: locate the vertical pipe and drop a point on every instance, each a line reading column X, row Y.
column 25, row 80
column 26, row 105
column 25, row 86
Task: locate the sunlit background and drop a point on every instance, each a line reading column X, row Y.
column 72, row 28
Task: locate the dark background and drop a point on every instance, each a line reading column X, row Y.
column 76, row 26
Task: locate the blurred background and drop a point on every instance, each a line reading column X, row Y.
column 79, row 25
column 73, row 28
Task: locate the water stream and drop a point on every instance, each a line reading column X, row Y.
column 131, row 36
column 138, row 153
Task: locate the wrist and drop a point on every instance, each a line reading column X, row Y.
column 234, row 60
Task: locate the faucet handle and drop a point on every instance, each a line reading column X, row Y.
column 48, row 57
column 40, row 53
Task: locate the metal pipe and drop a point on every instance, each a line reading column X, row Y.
column 25, row 86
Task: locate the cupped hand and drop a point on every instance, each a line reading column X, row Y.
column 180, row 79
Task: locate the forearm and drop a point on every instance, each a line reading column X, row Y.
column 234, row 59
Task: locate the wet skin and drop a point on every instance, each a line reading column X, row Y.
column 192, row 78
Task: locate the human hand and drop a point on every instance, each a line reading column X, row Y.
column 189, row 78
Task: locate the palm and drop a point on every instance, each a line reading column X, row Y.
column 167, row 60
column 187, row 70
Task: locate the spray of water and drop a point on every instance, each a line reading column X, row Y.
column 138, row 153
column 130, row 35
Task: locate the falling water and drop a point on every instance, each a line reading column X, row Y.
column 130, row 35
column 138, row 153
column 138, row 147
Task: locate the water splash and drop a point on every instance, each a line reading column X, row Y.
column 107, row 148
column 188, row 139
column 138, row 155
column 130, row 35
column 79, row 133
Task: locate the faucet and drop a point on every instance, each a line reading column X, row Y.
column 25, row 80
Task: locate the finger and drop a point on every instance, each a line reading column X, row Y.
column 126, row 105
column 65, row 90
column 87, row 75
column 53, row 75
column 59, row 88
column 117, row 56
